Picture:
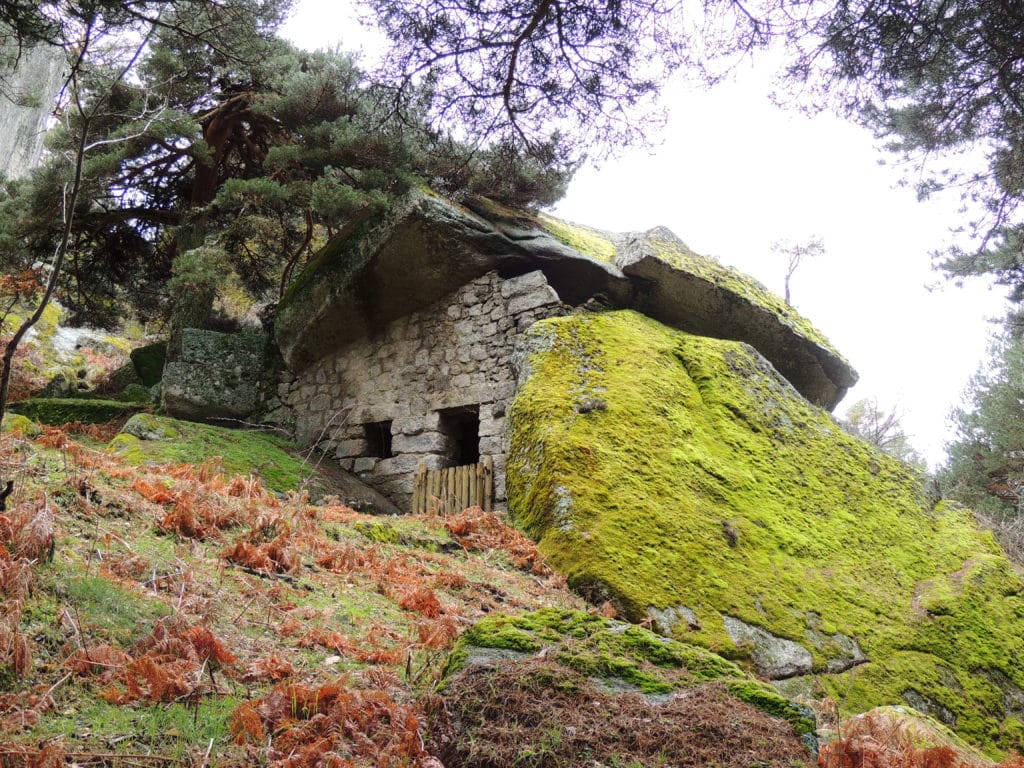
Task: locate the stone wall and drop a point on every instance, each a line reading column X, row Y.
column 385, row 404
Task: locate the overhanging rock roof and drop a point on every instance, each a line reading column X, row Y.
column 426, row 247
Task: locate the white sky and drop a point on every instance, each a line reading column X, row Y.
column 735, row 173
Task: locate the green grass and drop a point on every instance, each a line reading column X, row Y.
column 101, row 610
column 631, row 502
column 240, row 452
column 171, row 730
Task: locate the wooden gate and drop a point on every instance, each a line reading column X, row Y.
column 453, row 489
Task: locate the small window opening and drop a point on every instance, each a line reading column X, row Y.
column 378, row 439
column 461, row 427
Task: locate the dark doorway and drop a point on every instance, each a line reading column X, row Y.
column 378, row 439
column 461, row 427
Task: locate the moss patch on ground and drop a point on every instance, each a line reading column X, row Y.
column 57, row 411
column 705, row 482
column 270, row 456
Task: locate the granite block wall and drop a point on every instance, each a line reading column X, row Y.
column 430, row 388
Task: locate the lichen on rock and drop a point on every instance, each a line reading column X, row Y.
column 708, row 482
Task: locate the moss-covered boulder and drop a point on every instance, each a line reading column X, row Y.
column 682, row 478
column 216, row 376
column 511, row 680
column 20, row 426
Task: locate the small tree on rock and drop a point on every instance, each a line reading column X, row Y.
column 794, row 254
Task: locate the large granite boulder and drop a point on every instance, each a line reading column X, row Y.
column 217, row 376
column 426, row 247
column 684, row 480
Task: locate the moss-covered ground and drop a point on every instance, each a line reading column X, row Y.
column 704, row 481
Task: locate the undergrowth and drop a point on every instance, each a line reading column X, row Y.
column 174, row 614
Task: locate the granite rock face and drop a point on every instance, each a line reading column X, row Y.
column 427, row 247
column 709, row 498
column 218, row 375
column 26, row 104
column 774, row 657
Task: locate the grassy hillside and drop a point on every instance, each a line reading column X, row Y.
column 173, row 614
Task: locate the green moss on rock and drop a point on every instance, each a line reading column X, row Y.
column 674, row 252
column 238, row 451
column 610, row 651
column 57, row 411
column 135, row 393
column 20, row 426
column 589, row 242
column 708, row 485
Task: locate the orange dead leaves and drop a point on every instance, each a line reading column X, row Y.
column 168, row 664
column 103, row 660
column 272, row 668
column 368, row 653
column 23, row 285
column 421, row 599
column 879, row 740
column 26, row 537
column 476, row 529
column 21, row 710
column 195, row 511
column 330, row 725
column 155, row 491
column 270, row 546
column 438, row 634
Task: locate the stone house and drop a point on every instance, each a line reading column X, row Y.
column 430, row 388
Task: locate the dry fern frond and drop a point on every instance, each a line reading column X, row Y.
column 103, row 660
column 246, row 726
column 474, row 528
column 272, row 668
column 422, row 600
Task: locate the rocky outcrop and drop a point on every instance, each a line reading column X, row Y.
column 26, row 104
column 426, row 247
column 774, row 657
column 708, row 497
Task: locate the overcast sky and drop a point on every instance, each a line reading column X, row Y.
column 734, row 173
